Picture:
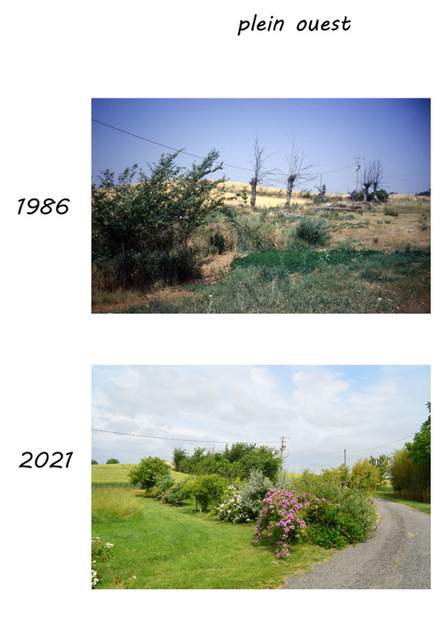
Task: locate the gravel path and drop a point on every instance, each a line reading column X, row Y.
column 396, row 557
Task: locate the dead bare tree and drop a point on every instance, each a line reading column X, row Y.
column 367, row 180
column 321, row 188
column 259, row 170
column 297, row 172
column 377, row 176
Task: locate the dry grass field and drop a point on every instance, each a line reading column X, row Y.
column 263, row 268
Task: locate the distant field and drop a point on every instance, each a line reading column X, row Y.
column 118, row 474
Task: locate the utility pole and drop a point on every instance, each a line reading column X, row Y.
column 282, row 452
column 344, row 456
column 357, row 169
column 282, row 447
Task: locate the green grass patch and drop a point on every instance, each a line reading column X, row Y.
column 306, row 280
column 305, row 260
column 386, row 493
column 163, row 547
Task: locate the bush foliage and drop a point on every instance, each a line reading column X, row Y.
column 237, row 461
column 208, row 491
column 149, row 472
column 313, row 230
column 142, row 224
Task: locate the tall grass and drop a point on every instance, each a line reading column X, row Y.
column 113, row 503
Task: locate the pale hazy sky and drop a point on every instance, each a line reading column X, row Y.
column 321, row 409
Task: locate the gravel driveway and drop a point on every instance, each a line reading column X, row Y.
column 396, row 557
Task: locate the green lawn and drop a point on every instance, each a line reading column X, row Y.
column 387, row 494
column 160, row 546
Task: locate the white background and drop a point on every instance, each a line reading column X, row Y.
column 56, row 56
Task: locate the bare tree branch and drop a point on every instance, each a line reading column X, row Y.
column 297, row 172
column 260, row 173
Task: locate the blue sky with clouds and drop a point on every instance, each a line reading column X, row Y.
column 330, row 132
column 321, row 409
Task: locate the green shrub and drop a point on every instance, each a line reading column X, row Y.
column 365, row 476
column 94, row 462
column 313, row 230
column 142, row 224
column 164, row 484
column 208, row 491
column 112, row 460
column 179, row 493
column 149, row 472
column 382, row 195
column 344, row 514
column 357, row 196
column 252, row 492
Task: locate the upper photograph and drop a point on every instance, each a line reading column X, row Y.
column 215, row 206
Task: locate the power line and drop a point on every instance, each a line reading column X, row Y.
column 142, row 435
column 192, row 155
column 372, row 448
column 174, row 149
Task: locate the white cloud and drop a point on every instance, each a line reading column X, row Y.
column 321, row 409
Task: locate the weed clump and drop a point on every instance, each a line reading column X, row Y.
column 313, row 230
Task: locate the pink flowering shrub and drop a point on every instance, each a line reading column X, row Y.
column 280, row 519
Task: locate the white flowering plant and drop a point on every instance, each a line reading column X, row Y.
column 243, row 502
column 231, row 508
column 101, row 552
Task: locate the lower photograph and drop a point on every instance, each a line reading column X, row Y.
column 261, row 477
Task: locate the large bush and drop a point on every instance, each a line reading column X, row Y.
column 142, row 224
column 347, row 514
column 313, row 230
column 149, row 472
column 208, row 491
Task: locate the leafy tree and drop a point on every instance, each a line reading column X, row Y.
column 112, row 460
column 235, row 462
column 365, row 475
column 382, row 463
column 419, row 448
column 179, row 457
column 94, row 462
column 149, row 472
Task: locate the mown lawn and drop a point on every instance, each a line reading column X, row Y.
column 307, row 280
column 164, row 547
column 387, row 494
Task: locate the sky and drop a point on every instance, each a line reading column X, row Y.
column 329, row 132
column 321, row 410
